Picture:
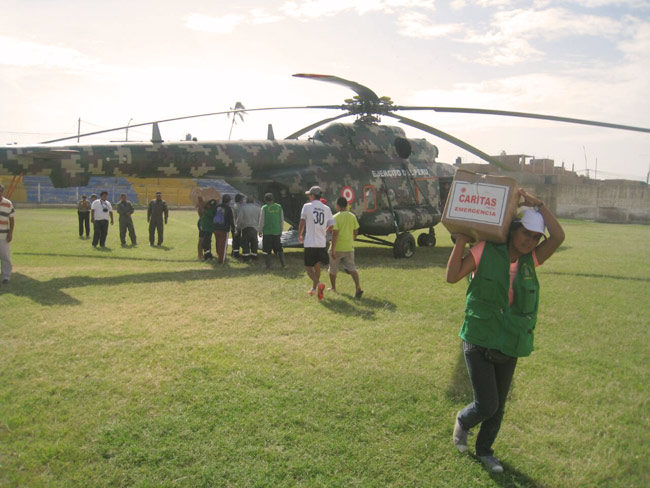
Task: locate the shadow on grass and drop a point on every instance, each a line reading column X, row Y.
column 365, row 308
column 50, row 292
column 513, row 478
column 97, row 256
column 597, row 275
column 425, row 257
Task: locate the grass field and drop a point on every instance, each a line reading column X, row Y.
column 145, row 367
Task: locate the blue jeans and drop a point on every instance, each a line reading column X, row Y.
column 491, row 383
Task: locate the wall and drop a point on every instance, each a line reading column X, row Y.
column 620, row 201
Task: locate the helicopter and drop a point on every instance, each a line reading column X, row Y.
column 392, row 183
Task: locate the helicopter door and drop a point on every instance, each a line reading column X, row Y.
column 444, row 183
column 426, row 192
column 369, row 198
column 291, row 203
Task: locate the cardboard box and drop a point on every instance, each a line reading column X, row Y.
column 481, row 206
column 206, row 193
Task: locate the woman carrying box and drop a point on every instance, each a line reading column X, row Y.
column 500, row 316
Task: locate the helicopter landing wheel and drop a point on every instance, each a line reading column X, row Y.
column 404, row 246
column 427, row 240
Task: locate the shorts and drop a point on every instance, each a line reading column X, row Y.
column 315, row 255
column 270, row 243
column 346, row 259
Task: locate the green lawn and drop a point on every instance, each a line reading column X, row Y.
column 145, row 367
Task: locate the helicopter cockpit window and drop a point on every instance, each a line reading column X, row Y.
column 403, row 147
column 370, row 198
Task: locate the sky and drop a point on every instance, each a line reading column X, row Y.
column 111, row 63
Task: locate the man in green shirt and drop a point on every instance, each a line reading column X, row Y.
column 344, row 234
column 270, row 227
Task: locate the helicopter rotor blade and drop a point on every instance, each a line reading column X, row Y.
column 363, row 91
column 527, row 115
column 324, row 107
column 304, row 130
column 448, row 138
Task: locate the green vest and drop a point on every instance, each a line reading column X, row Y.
column 489, row 320
column 272, row 219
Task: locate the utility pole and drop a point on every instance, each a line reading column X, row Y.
column 127, row 130
column 78, row 128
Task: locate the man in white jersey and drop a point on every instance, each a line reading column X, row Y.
column 315, row 222
column 6, row 234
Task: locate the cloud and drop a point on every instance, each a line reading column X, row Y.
column 414, row 24
column 217, row 25
column 16, row 52
column 509, row 39
column 309, row 9
column 261, row 16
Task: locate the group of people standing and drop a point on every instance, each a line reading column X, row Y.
column 99, row 212
column 246, row 220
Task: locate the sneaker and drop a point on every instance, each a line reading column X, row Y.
column 460, row 437
column 321, row 289
column 358, row 294
column 312, row 291
column 492, row 464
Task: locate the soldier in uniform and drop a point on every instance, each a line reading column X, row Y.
column 125, row 209
column 83, row 212
column 155, row 213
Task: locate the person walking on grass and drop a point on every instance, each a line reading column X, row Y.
column 100, row 212
column 344, row 233
column 156, row 212
column 7, row 212
column 125, row 210
column 315, row 222
column 270, row 227
column 500, row 316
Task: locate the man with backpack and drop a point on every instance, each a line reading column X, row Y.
column 223, row 223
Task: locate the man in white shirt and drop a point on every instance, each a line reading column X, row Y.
column 100, row 212
column 315, row 222
column 6, row 234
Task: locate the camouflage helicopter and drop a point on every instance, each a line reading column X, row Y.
column 393, row 183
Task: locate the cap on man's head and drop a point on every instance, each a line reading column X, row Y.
column 532, row 220
column 158, row 193
column 314, row 190
column 83, row 196
column 268, row 197
column 93, row 195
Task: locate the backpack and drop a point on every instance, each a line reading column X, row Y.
column 220, row 216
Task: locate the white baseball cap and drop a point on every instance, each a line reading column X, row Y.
column 532, row 220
